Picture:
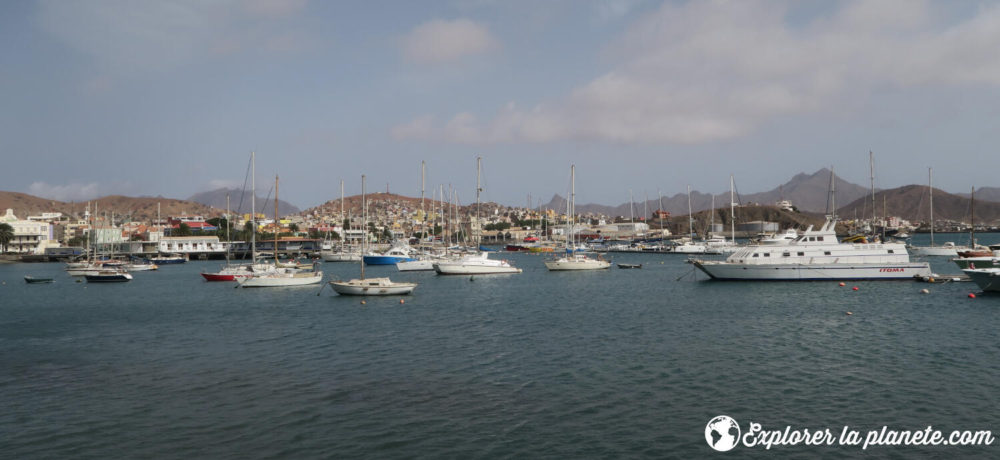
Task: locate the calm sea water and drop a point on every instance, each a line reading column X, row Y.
column 618, row 363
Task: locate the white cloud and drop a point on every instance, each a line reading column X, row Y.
column 440, row 41
column 68, row 192
column 700, row 72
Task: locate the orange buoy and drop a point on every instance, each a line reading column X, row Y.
column 401, row 301
column 972, row 296
column 363, row 302
column 855, row 288
column 843, row 284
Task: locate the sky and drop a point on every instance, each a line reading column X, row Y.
column 169, row 97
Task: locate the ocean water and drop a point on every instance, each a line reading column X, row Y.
column 610, row 364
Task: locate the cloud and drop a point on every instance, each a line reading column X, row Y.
column 68, row 192
column 699, row 72
column 441, row 41
column 128, row 37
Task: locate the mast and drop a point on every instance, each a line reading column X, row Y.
column 871, row 166
column 930, row 188
column 631, row 211
column 690, row 216
column 229, row 240
column 972, row 219
column 253, row 209
column 659, row 197
column 364, row 225
column 479, row 188
column 572, row 206
column 732, row 206
column 276, row 225
column 711, row 221
column 885, row 217
column 645, row 205
column 342, row 201
column 423, row 184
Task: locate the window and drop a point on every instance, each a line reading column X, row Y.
column 800, row 254
column 891, row 251
column 819, row 238
column 812, row 238
column 767, row 254
column 785, row 254
column 755, row 254
column 826, row 253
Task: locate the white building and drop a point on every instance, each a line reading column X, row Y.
column 30, row 237
column 187, row 244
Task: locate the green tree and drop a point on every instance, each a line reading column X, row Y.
column 294, row 228
column 181, row 230
column 6, row 234
column 387, row 234
column 437, row 229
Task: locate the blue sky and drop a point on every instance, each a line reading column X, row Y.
column 169, row 97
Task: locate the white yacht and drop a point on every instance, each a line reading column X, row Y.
column 474, row 264
column 574, row 259
column 281, row 277
column 816, row 255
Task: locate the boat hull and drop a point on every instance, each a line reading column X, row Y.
column 576, row 265
column 346, row 288
column 724, row 271
column 280, row 281
column 32, row 280
column 341, row 257
column 218, row 277
column 415, row 265
column 443, row 268
column 112, row 278
column 936, row 251
column 386, row 260
column 987, row 279
column 977, row 262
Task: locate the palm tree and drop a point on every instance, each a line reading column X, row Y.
column 6, row 234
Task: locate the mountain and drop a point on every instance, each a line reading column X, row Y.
column 985, row 194
column 911, row 202
column 141, row 208
column 239, row 202
column 807, row 192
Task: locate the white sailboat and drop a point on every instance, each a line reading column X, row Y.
column 574, row 260
column 280, row 276
column 345, row 253
column 948, row 249
column 370, row 286
column 478, row 263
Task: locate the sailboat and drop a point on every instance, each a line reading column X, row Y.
column 947, row 249
column 689, row 246
column 574, row 260
column 232, row 272
column 280, row 276
column 345, row 253
column 370, row 286
column 478, row 263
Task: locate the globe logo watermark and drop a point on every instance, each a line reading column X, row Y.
column 722, row 433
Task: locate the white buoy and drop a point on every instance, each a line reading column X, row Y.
column 925, row 291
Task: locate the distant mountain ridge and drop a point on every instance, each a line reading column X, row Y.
column 140, row 209
column 807, row 192
column 912, row 202
column 240, row 202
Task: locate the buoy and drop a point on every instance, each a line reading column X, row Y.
column 925, row 291
column 849, row 313
column 930, row 280
column 843, row 284
column 972, row 296
column 855, row 288
column 472, row 278
column 402, row 301
column 363, row 302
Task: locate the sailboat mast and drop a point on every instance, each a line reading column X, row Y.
column 711, row 222
column 229, row 239
column 423, row 184
column 930, row 189
column 572, row 206
column 690, row 215
column 871, row 166
column 972, row 219
column 342, row 201
column 253, row 209
column 276, row 225
column 364, row 225
column 479, row 188
column 732, row 206
column 659, row 197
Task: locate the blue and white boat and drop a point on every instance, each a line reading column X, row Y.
column 391, row 257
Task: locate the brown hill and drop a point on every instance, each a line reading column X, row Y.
column 141, row 209
column 377, row 202
column 912, row 202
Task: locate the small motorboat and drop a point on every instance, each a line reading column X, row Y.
column 109, row 276
column 629, row 265
column 32, row 280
